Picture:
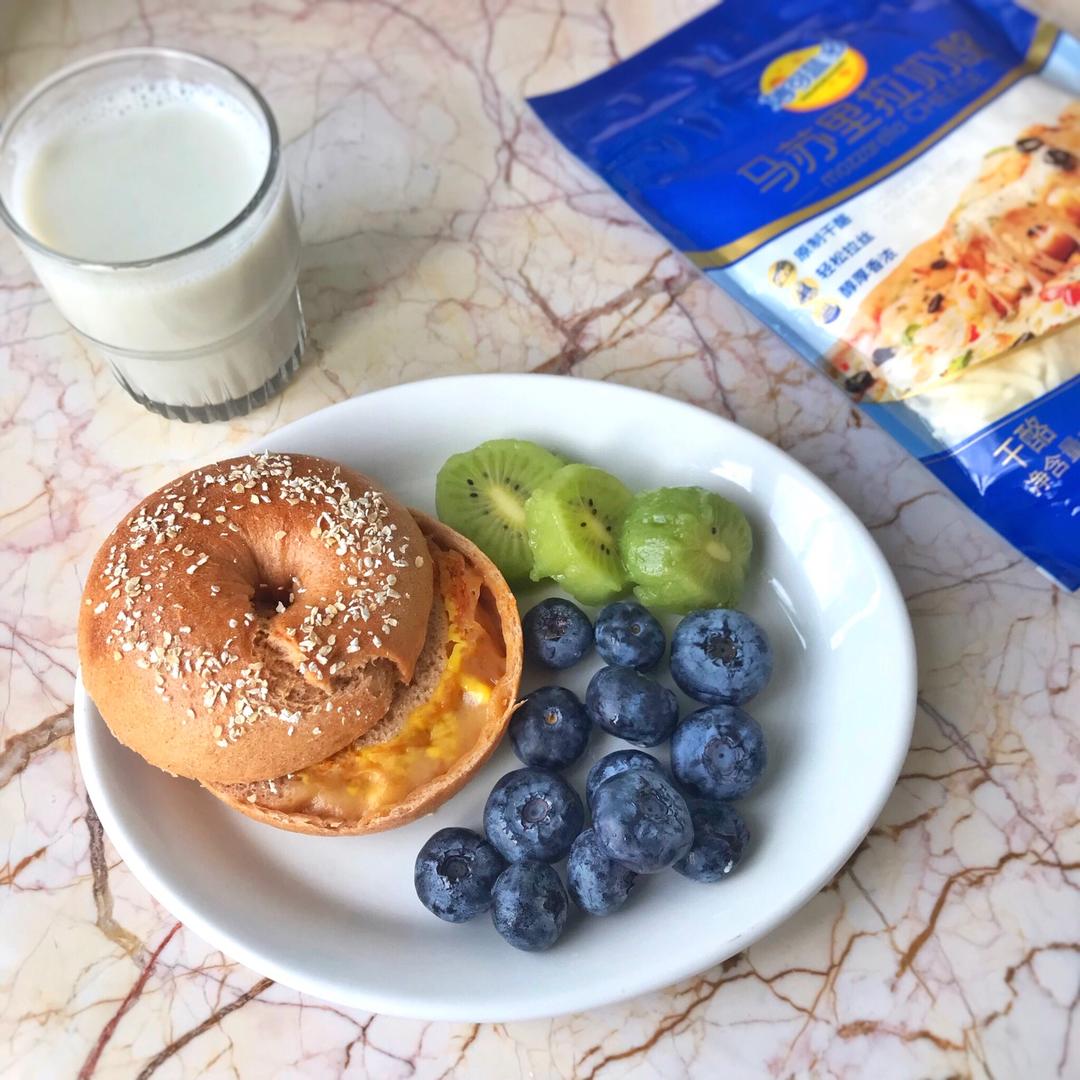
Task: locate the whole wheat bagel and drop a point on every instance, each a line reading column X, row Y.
column 254, row 616
column 268, row 803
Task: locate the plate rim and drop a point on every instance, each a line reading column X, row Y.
column 441, row 1007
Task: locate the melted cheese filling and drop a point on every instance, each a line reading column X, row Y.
column 364, row 779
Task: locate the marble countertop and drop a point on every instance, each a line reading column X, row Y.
column 445, row 232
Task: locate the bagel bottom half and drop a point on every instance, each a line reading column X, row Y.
column 440, row 728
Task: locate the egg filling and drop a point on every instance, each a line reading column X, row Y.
column 367, row 777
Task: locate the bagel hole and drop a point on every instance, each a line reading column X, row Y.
column 267, row 597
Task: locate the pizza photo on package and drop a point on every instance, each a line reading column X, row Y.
column 1003, row 270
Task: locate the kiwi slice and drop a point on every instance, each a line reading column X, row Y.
column 573, row 520
column 482, row 494
column 685, row 548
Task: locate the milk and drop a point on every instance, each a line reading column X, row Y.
column 118, row 183
column 149, row 172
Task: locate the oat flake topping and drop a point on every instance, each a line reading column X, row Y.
column 166, row 539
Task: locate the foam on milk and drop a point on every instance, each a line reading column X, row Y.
column 145, row 170
column 140, row 171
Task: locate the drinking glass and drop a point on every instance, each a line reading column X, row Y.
column 204, row 333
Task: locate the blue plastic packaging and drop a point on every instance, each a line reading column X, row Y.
column 894, row 187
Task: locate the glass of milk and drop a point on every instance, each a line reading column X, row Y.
column 146, row 188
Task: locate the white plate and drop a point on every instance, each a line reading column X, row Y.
column 337, row 917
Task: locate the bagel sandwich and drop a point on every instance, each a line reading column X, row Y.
column 319, row 657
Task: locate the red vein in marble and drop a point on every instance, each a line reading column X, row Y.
column 132, row 996
column 463, row 1049
column 703, row 991
column 103, row 901
column 635, row 297
column 8, row 876
column 211, row 1021
column 19, row 749
column 969, row 877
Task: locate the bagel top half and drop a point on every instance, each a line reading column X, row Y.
column 254, row 616
column 439, row 729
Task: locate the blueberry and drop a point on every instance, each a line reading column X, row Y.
column 597, row 883
column 618, row 761
column 641, row 821
column 551, row 729
column 455, row 871
column 529, row 906
column 720, row 838
column 533, row 814
column 720, row 657
column 718, row 752
column 557, row 633
column 626, row 703
column 629, row 636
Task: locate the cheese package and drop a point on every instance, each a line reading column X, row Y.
column 894, row 187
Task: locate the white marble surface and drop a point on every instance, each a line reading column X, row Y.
column 446, row 232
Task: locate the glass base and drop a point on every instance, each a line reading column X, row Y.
column 227, row 410
column 216, row 378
